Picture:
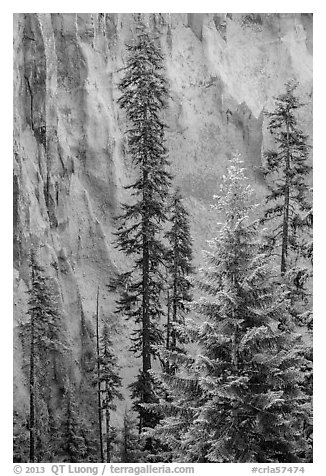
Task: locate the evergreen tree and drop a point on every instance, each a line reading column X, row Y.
column 72, row 443
column 21, row 438
column 88, row 403
column 107, row 382
column 110, row 383
column 144, row 92
column 43, row 331
column 290, row 213
column 240, row 399
column 179, row 267
column 99, row 398
column 286, row 171
column 130, row 449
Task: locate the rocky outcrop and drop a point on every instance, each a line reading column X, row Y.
column 70, row 162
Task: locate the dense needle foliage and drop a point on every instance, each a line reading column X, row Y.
column 143, row 96
column 72, row 444
column 287, row 170
column 42, row 335
column 110, row 383
column 240, row 399
column 179, row 268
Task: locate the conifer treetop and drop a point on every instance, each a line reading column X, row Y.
column 236, row 194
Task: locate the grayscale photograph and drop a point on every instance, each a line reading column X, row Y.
column 162, row 238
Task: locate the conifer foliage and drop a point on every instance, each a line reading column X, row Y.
column 130, row 444
column 72, row 443
column 240, row 400
column 179, row 267
column 43, row 331
column 286, row 171
column 21, row 438
column 144, row 93
column 110, row 382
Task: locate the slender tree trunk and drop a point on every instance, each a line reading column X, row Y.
column 168, row 322
column 99, row 377
column 146, row 317
column 125, row 441
column 107, row 421
column 168, row 330
column 174, row 306
column 235, row 348
column 174, row 299
column 146, row 351
column 32, row 395
column 285, row 230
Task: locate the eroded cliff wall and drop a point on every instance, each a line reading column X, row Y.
column 70, row 161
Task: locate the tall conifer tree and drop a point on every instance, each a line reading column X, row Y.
column 240, row 399
column 289, row 212
column 144, row 93
column 72, row 444
column 110, row 382
column 286, row 172
column 130, row 445
column 98, row 382
column 44, row 332
column 179, row 267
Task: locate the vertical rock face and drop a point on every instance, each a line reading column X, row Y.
column 70, row 162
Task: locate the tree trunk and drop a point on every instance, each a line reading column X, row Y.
column 32, row 395
column 99, row 377
column 107, row 421
column 168, row 323
column 125, row 441
column 168, row 331
column 174, row 304
column 146, row 350
column 285, row 229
